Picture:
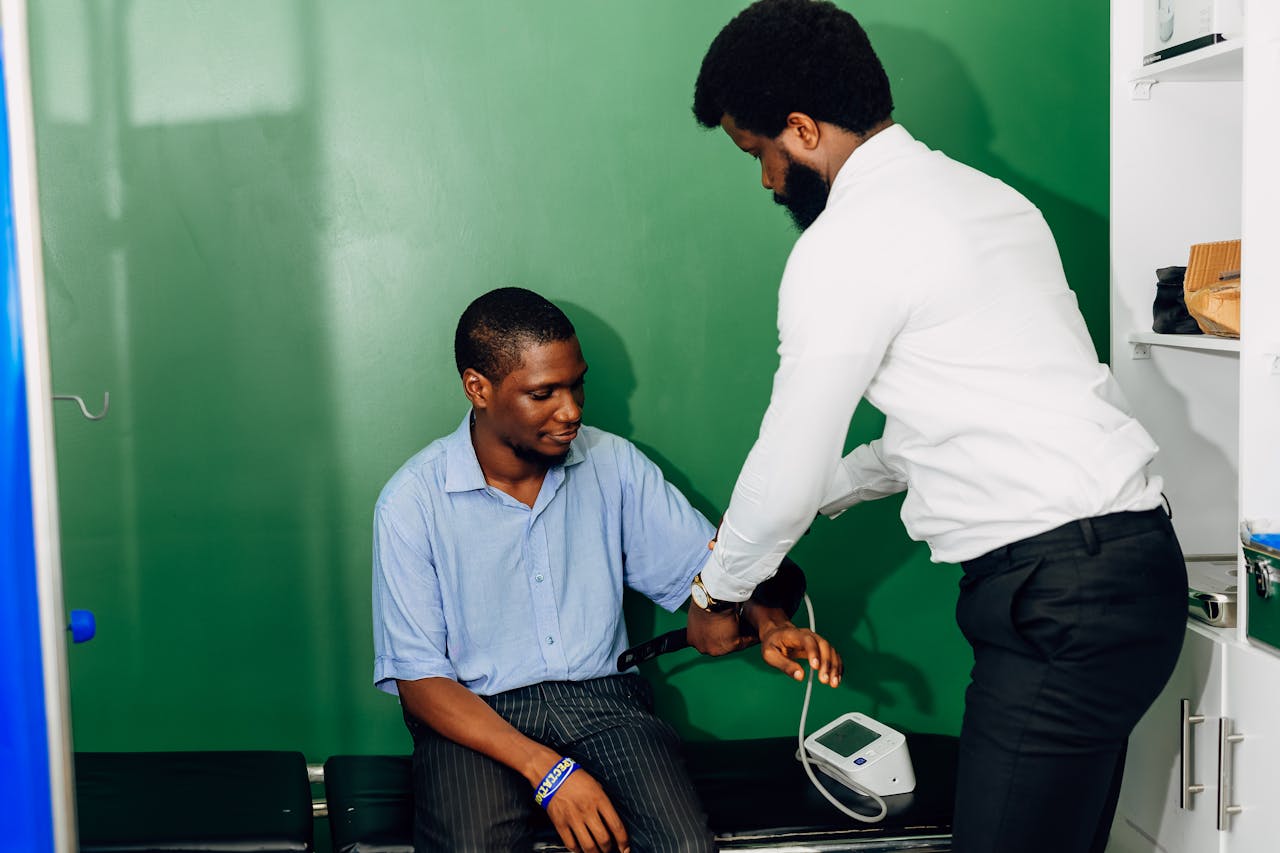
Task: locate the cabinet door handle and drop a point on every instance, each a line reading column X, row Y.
column 1185, row 755
column 1226, row 740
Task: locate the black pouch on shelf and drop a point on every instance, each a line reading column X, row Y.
column 1169, row 311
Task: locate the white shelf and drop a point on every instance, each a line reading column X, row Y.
column 1200, row 342
column 1221, row 62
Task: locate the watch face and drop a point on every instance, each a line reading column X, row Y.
column 700, row 596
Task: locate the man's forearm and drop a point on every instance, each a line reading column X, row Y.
column 463, row 717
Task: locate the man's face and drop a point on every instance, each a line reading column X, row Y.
column 536, row 409
column 797, row 187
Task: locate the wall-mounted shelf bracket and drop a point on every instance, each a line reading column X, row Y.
column 1142, row 89
column 1271, row 352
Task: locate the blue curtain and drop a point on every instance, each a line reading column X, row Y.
column 24, row 749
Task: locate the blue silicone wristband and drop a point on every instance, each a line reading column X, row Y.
column 553, row 780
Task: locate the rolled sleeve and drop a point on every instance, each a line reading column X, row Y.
column 664, row 538
column 861, row 476
column 409, row 636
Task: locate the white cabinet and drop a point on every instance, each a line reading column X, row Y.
column 1195, row 159
column 1213, row 730
column 1252, row 766
column 1166, row 748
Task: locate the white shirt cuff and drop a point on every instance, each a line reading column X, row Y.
column 720, row 585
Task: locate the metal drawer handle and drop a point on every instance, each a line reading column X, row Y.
column 1226, row 740
column 1186, row 753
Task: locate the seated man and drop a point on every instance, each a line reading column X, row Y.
column 500, row 556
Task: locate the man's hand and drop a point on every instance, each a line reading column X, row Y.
column 717, row 633
column 584, row 817
column 781, row 641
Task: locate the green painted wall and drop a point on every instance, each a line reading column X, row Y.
column 261, row 222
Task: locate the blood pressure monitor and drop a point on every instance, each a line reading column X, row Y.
column 858, row 752
column 863, row 754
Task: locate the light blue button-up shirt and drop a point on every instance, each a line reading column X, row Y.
column 471, row 584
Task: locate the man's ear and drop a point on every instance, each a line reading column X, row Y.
column 802, row 131
column 477, row 387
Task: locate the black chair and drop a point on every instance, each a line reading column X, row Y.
column 196, row 802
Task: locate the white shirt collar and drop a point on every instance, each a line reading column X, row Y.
column 887, row 145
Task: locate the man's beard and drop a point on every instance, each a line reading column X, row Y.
column 804, row 194
column 537, row 457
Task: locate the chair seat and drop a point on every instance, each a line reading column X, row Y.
column 195, row 802
column 756, row 795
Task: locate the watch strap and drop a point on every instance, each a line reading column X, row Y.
column 713, row 606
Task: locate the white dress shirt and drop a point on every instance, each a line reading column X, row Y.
column 936, row 292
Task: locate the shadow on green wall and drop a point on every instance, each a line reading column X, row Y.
column 611, row 384
column 939, row 102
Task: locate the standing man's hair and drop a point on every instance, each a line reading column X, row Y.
column 783, row 56
column 497, row 326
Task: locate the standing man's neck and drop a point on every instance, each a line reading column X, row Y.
column 842, row 143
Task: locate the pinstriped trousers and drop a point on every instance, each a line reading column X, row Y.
column 465, row 801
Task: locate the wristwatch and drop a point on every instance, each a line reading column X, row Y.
column 703, row 599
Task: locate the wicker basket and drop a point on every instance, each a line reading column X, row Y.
column 1212, row 287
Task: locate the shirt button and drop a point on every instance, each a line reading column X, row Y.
column 538, row 578
column 551, row 641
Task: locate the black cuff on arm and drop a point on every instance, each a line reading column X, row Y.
column 785, row 590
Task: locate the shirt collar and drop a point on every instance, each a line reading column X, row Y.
column 462, row 469
column 888, row 144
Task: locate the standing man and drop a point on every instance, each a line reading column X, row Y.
column 936, row 292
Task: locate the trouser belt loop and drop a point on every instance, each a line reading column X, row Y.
column 1090, row 536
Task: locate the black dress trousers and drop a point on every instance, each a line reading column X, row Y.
column 1074, row 634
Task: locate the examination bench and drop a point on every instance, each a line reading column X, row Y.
column 755, row 792
column 756, row 795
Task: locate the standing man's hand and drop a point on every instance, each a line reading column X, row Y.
column 782, row 643
column 584, row 817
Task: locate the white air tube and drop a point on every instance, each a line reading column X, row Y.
column 807, row 761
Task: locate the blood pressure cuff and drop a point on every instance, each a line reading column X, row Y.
column 785, row 590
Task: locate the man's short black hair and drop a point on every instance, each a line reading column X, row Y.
column 496, row 327
column 783, row 56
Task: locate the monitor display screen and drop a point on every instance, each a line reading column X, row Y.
column 847, row 738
